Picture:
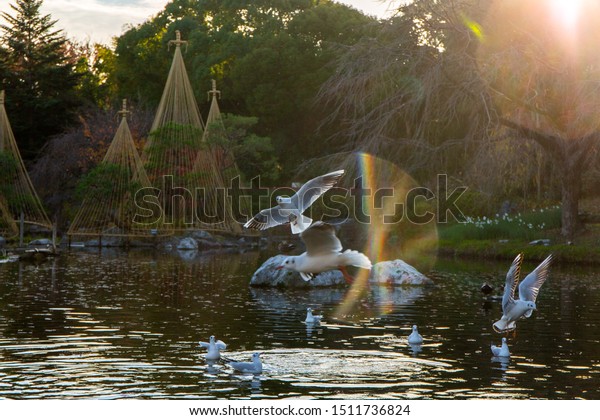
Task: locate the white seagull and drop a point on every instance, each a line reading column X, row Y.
column 415, row 337
column 213, row 348
column 290, row 209
column 324, row 253
column 528, row 290
column 312, row 319
column 501, row 351
column 248, row 367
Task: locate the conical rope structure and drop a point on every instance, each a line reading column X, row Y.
column 18, row 198
column 220, row 157
column 193, row 195
column 119, row 199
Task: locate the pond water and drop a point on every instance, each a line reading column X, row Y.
column 112, row 324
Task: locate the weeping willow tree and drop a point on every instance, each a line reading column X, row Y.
column 407, row 93
column 444, row 80
column 116, row 193
column 18, row 198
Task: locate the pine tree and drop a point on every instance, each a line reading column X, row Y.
column 38, row 75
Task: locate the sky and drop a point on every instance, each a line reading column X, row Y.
column 100, row 20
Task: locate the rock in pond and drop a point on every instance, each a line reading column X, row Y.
column 397, row 272
column 268, row 276
column 187, row 244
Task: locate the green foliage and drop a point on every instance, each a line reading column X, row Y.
column 254, row 154
column 269, row 58
column 39, row 75
column 95, row 66
column 16, row 201
column 8, row 168
column 527, row 226
column 105, row 182
column 169, row 143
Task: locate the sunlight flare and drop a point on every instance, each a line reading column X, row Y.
column 567, row 12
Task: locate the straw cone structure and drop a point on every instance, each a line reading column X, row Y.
column 219, row 159
column 8, row 226
column 119, row 198
column 181, row 164
column 17, row 195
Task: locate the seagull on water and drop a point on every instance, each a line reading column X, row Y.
column 415, row 337
column 248, row 367
column 312, row 319
column 213, row 347
column 501, row 351
column 324, row 253
column 514, row 309
column 290, row 209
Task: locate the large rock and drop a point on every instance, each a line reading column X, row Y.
column 40, row 242
column 2, row 242
column 187, row 244
column 201, row 234
column 192, row 240
column 268, row 276
column 397, row 272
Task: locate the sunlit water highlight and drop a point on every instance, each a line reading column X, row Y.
column 127, row 325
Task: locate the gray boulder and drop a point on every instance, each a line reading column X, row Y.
column 201, row 234
column 40, row 242
column 187, row 243
column 268, row 276
column 397, row 272
column 544, row 242
column 2, row 242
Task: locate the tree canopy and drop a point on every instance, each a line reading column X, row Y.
column 38, row 75
column 441, row 84
column 269, row 58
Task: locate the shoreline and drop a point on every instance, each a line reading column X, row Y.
column 584, row 253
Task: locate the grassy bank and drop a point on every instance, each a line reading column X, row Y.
column 506, row 236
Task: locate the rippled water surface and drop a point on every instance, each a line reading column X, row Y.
column 127, row 325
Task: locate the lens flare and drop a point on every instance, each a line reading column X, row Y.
column 390, row 220
column 474, row 27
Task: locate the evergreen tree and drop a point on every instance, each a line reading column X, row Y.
column 38, row 75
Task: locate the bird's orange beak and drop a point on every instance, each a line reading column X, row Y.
column 279, row 268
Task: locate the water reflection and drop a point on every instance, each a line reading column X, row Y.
column 110, row 325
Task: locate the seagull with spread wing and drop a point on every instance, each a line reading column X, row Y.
column 514, row 309
column 324, row 253
column 290, row 209
column 214, row 348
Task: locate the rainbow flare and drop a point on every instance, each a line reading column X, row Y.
column 378, row 173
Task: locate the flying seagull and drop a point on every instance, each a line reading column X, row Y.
column 248, row 367
column 501, row 351
column 290, row 209
column 528, row 290
column 213, row 347
column 324, row 253
column 415, row 337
